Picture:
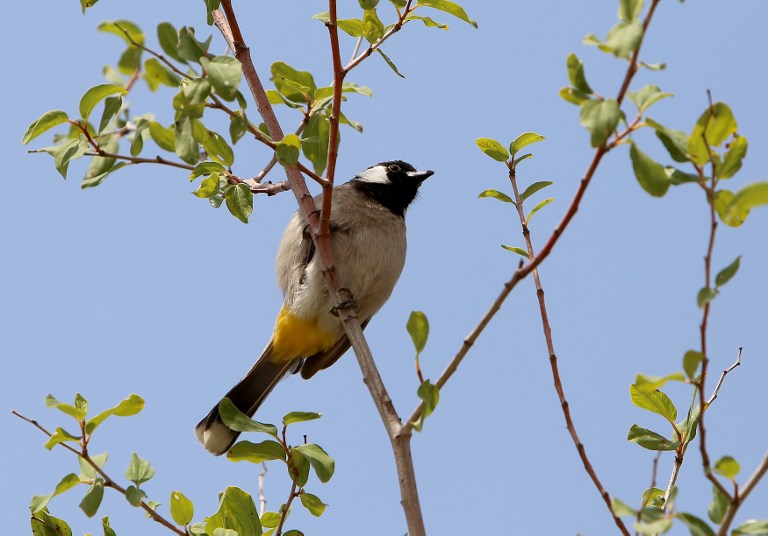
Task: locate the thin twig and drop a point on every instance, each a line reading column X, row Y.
column 108, row 482
column 389, row 33
column 262, row 497
column 722, row 377
column 286, row 508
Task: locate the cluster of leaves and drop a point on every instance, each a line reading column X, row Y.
column 236, row 515
column 498, row 152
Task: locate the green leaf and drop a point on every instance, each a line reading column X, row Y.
column 106, row 528
column 256, row 452
column 650, row 383
column 576, row 75
column 112, row 106
column 705, row 296
column 287, row 150
column 44, row 524
column 622, row 40
column 675, row 141
column 168, row 38
column 206, row 168
column 654, row 401
column 537, row 208
column 298, row 86
column 156, row 74
column 69, row 150
column 733, row 157
column 650, row 440
column 645, row 97
column 418, row 328
column 600, row 118
column 728, row 467
column 165, row 138
column 526, row 138
column 738, row 207
column 236, row 420
column 270, row 519
column 134, row 496
column 373, row 27
column 236, row 512
column 353, row 27
column 696, row 525
column 218, row 149
column 691, row 361
column 40, row 501
column 368, row 4
column 208, row 187
column 629, row 10
column 182, row 508
column 716, row 124
column 95, row 95
column 238, row 126
column 298, row 467
column 429, row 23
column 239, row 200
column 718, row 507
column 515, row 249
column 319, row 459
column 92, row 499
column 314, row 141
column 493, row 149
column 753, row 526
column 573, row 95
column 650, row 174
column 87, row 472
column 184, row 143
column 430, row 394
column 139, row 470
column 727, row 273
column 60, row 436
column 225, row 73
column 300, row 416
column 621, row 509
column 76, row 411
column 126, row 408
column 390, row 63
column 449, row 7
column 189, row 47
column 533, row 188
column 126, row 30
column 44, row 123
column 313, row 503
column 495, row 194
column 654, row 497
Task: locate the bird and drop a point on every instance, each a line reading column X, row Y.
column 369, row 246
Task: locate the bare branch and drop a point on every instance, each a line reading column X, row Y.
column 722, row 377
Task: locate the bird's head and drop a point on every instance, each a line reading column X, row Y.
column 394, row 184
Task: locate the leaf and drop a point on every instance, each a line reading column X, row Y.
column 449, row 7
column 256, row 452
column 236, row 420
column 573, row 95
column 675, row 141
column 168, row 38
column 727, row 273
column 495, row 194
column 537, row 208
column 418, row 328
column 373, row 27
column 236, row 512
column 300, row 416
column 705, row 296
column 650, row 383
column 622, row 40
column 493, row 149
column 621, row 509
column 225, row 73
column 600, row 118
column 576, row 75
column 134, row 496
column 87, row 472
column 298, row 86
column 650, row 174
column 728, row 467
column 749, row 197
column 733, row 157
column 515, row 249
column 629, row 10
column 76, row 411
column 696, row 525
column 314, row 143
column 155, row 74
column 719, row 506
column 650, row 440
column 44, row 123
column 526, row 138
column 533, row 188
column 753, row 526
column 95, row 95
column 691, row 361
column 41, row 501
column 190, row 48
column 112, row 106
column 106, row 528
column 716, row 124
column 238, row 126
column 182, row 509
column 60, row 436
column 270, row 519
column 654, row 497
column 44, row 524
column 218, row 149
column 654, row 401
column 139, row 470
column 313, row 503
column 390, row 63
column 126, row 30
column 429, row 23
column 206, row 168
column 165, row 138
column 125, row 408
column 287, row 150
column 645, row 97
column 322, row 463
column 66, row 152
column 239, row 200
column 430, row 394
column 208, row 187
column 92, row 499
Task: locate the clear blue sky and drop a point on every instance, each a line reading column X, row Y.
column 137, row 286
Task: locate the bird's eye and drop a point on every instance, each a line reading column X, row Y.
column 394, row 168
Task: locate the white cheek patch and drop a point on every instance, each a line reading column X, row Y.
column 376, row 174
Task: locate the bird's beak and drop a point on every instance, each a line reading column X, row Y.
column 421, row 175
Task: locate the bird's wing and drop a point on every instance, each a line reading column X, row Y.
column 323, row 360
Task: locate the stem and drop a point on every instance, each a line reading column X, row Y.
column 286, row 508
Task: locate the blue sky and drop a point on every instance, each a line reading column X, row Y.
column 137, row 286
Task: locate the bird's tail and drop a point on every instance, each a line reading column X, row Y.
column 247, row 396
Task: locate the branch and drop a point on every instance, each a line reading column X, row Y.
column 722, row 377
column 389, row 33
column 108, row 482
column 750, row 484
